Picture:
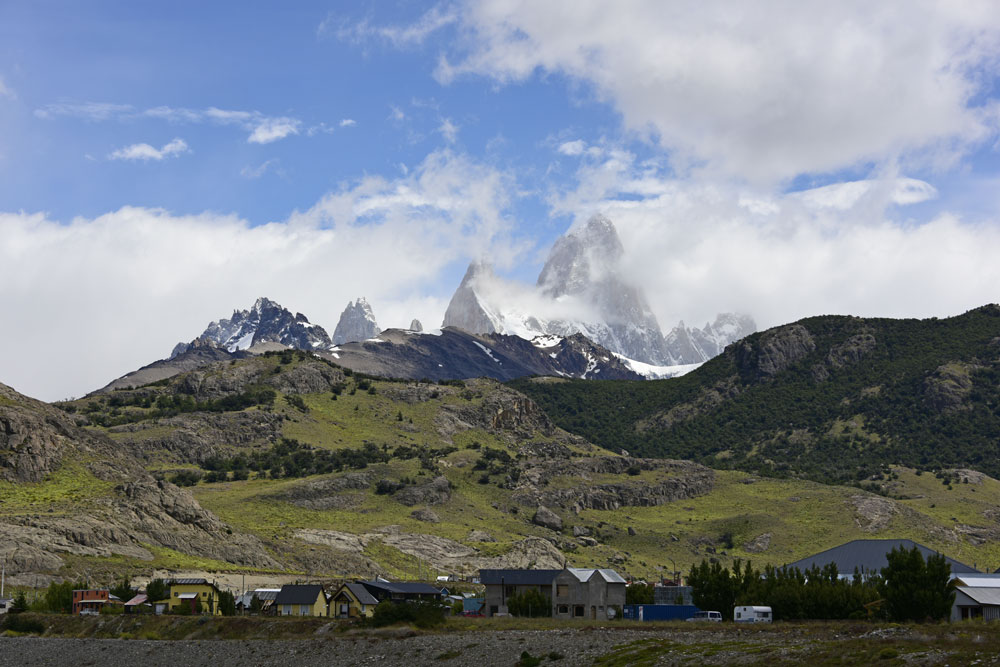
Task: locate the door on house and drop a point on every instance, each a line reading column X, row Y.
column 344, row 610
column 593, row 612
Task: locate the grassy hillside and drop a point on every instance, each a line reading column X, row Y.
column 342, row 475
column 836, row 399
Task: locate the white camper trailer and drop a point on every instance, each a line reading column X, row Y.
column 752, row 614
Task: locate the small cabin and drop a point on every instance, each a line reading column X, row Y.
column 752, row 614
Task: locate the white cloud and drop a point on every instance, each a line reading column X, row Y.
column 259, row 170
column 572, row 148
column 107, row 295
column 348, row 122
column 86, row 110
column 761, row 91
column 399, row 36
column 273, row 129
column 448, row 130
column 145, row 152
column 263, row 129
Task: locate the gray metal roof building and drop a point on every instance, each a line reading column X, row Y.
column 868, row 556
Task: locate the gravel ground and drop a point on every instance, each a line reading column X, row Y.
column 483, row 649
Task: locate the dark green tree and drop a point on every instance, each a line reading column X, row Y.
column 639, row 594
column 227, row 603
column 530, row 603
column 123, row 590
column 915, row 589
column 157, row 590
column 256, row 605
column 59, row 597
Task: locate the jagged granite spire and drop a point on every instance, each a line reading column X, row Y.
column 357, row 322
column 265, row 321
column 467, row 310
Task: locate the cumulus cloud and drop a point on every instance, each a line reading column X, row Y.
column 348, row 122
column 572, row 148
column 761, row 91
column 273, row 129
column 145, row 152
column 846, row 248
column 109, row 294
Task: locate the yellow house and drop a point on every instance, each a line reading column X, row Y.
column 300, row 600
column 352, row 601
column 192, row 592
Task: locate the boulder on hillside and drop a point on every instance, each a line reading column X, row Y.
column 435, row 492
column 425, row 514
column 546, row 518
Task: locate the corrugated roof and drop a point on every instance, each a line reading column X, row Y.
column 584, row 574
column 361, row 593
column 868, row 556
column 518, row 577
column 299, row 594
column 188, row 596
column 403, row 587
column 187, row 582
column 137, row 600
column 978, row 582
column 982, row 595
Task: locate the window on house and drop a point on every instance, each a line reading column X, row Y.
column 564, row 609
column 578, row 610
column 203, row 594
column 562, row 590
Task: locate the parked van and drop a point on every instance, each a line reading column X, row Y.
column 751, row 614
column 713, row 616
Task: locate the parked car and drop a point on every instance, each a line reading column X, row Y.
column 713, row 616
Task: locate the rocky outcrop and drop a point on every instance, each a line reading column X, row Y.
column 872, row 514
column 707, row 400
column 466, row 310
column 546, row 518
column 425, row 514
column 440, row 553
column 415, row 325
column 435, row 492
column 948, row 388
column 330, row 493
column 851, row 351
column 773, row 351
column 357, row 322
column 674, row 480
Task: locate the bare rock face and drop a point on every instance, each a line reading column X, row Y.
column 546, row 518
column 425, row 514
column 774, row 351
column 851, row 351
column 479, row 536
column 678, row 480
column 872, row 514
column 946, row 390
column 467, row 310
column 357, row 322
column 759, row 544
column 415, row 325
column 435, row 492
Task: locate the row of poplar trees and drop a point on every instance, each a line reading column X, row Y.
column 909, row 588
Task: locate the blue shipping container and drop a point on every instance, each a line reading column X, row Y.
column 660, row 612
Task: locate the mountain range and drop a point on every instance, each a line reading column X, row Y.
column 582, row 289
column 831, row 398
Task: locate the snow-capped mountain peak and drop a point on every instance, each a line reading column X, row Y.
column 265, row 321
column 357, row 322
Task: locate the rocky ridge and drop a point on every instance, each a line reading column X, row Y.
column 357, row 323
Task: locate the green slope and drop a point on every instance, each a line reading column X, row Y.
column 838, row 403
column 417, row 432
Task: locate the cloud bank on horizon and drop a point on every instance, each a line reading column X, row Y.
column 782, row 159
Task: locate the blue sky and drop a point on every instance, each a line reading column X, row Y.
column 162, row 164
